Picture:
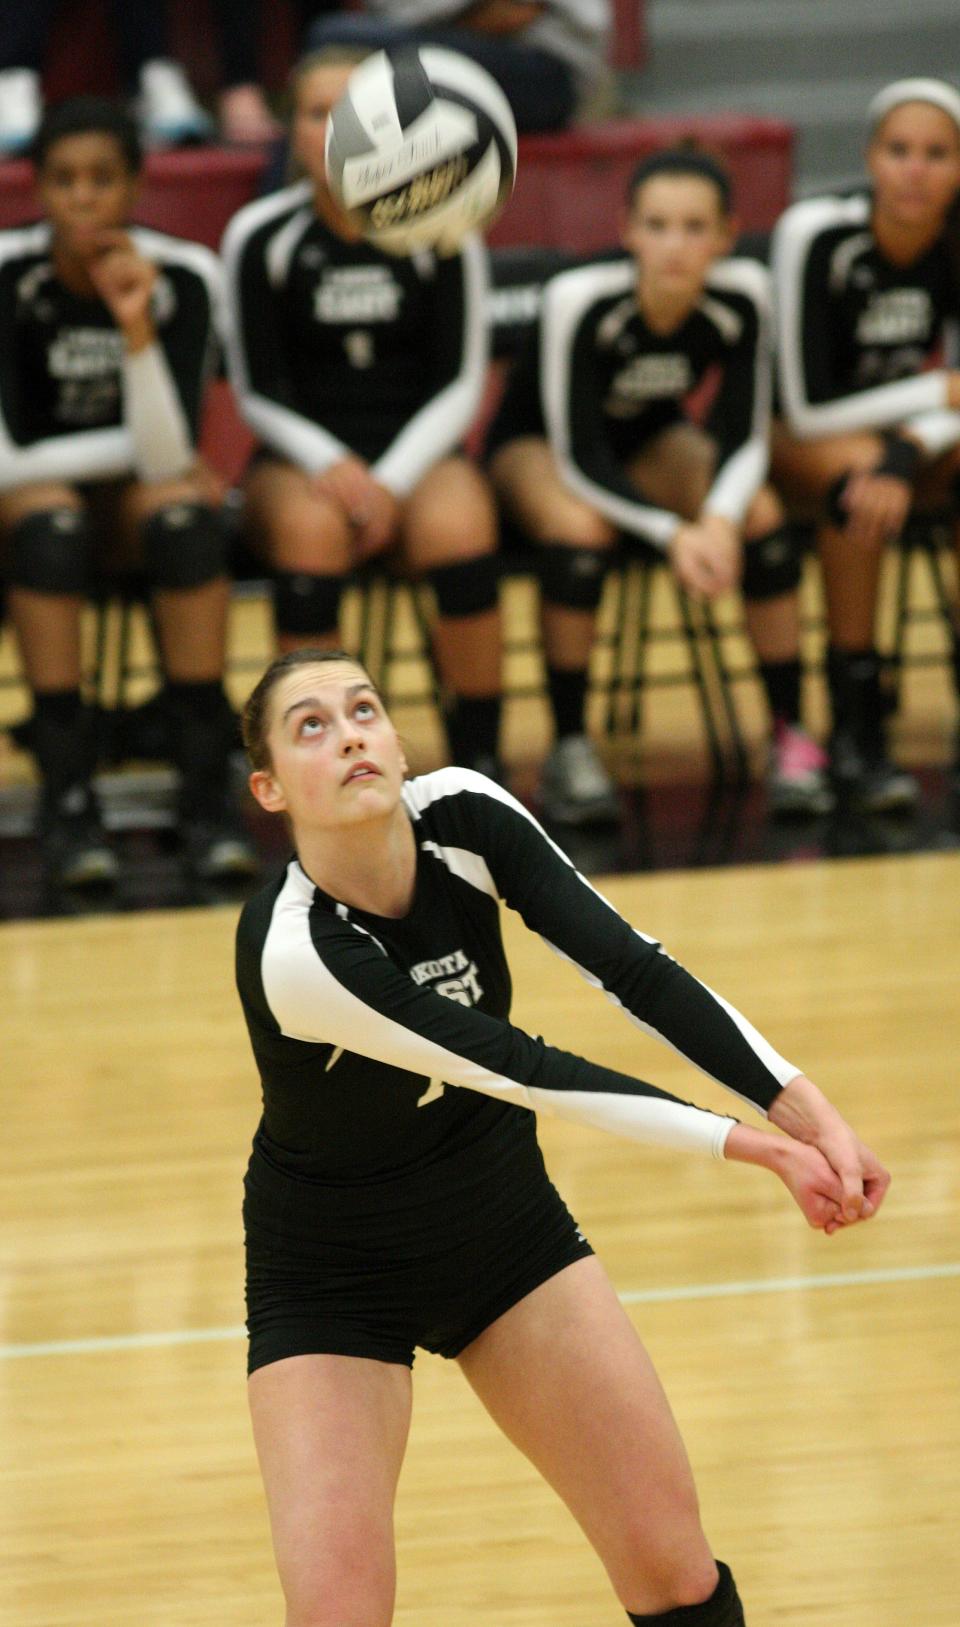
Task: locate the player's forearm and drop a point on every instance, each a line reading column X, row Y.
column 747, row 1145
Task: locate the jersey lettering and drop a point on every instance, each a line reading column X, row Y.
column 358, row 294
column 898, row 316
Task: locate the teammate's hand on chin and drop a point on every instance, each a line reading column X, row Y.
column 705, row 555
column 123, row 279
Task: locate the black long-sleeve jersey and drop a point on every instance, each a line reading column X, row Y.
column 857, row 336
column 385, row 1047
column 599, row 383
column 65, row 381
column 336, row 347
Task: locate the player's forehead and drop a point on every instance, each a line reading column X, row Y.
column 323, row 85
column 80, row 149
column 918, row 121
column 327, row 682
column 676, row 193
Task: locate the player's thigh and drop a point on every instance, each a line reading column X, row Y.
column 568, row 1380
column 330, row 1433
column 293, row 526
column 531, row 489
column 804, row 471
column 675, row 468
column 450, row 515
column 41, row 498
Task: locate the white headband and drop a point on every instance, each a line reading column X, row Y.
column 935, row 91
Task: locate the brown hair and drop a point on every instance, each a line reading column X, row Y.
column 255, row 719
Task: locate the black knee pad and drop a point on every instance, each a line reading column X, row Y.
column 771, row 565
column 573, row 577
column 306, row 606
column 49, row 552
column 184, row 546
column 468, row 587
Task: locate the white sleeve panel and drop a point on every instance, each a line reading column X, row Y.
column 741, row 475
column 162, row 445
column 882, row 407
column 936, row 432
column 92, row 454
column 443, row 421
column 295, row 437
column 310, row 1004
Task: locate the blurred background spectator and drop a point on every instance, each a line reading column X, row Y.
column 548, row 59
column 167, row 109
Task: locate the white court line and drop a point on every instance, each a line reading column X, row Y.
column 630, row 1296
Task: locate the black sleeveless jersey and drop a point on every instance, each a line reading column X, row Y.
column 385, row 1047
column 859, row 338
column 337, row 347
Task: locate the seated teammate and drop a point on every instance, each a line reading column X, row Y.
column 106, row 336
column 593, row 444
column 361, row 373
column 867, row 296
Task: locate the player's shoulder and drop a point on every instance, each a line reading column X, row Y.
column 171, row 252
column 823, row 216
column 261, row 218
column 575, row 292
column 24, row 243
column 455, row 787
column 740, row 277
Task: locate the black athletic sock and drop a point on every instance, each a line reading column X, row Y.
column 781, row 682
column 473, row 728
column 722, row 1609
column 568, row 698
column 61, row 737
column 201, row 746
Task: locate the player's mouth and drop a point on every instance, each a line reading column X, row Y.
column 360, row 772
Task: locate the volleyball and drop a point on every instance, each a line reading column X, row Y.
column 421, row 149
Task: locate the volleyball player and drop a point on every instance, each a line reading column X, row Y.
column 594, row 444
column 361, row 373
column 396, row 1196
column 106, row 335
column 867, row 289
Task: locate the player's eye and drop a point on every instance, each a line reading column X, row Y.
column 365, row 709
column 311, row 724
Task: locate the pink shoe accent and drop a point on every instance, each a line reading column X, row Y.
column 797, row 755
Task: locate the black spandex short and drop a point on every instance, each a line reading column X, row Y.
column 353, row 1301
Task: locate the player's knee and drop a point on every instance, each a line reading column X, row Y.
column 572, row 577
column 306, row 605
column 772, row 565
column 184, row 546
column 49, row 552
column 467, row 587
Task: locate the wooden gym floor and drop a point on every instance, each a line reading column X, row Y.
column 815, row 1380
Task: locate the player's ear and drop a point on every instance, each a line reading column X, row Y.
column 729, row 233
column 265, row 789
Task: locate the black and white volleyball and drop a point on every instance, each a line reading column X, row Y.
column 421, row 148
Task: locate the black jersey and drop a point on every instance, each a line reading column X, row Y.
column 64, row 371
column 337, row 347
column 856, row 335
column 599, row 382
column 385, row 1047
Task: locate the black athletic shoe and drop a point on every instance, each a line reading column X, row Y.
column 75, row 846
column 870, row 780
column 218, row 849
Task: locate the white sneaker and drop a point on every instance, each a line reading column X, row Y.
column 168, row 111
column 576, row 788
column 21, row 108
